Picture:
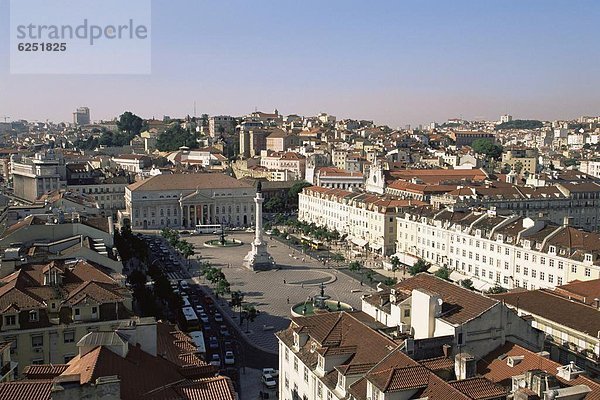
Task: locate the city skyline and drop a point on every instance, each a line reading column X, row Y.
column 397, row 64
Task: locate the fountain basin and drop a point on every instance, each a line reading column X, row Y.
column 228, row 243
column 297, row 310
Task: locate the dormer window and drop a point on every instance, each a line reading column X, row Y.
column 10, row 320
column 77, row 314
column 33, row 316
column 588, row 258
column 296, row 340
column 552, row 249
column 321, row 362
column 341, row 381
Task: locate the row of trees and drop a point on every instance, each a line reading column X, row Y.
column 183, row 246
column 444, row 273
column 221, row 287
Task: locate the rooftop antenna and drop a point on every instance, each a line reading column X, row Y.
column 5, row 118
column 194, row 108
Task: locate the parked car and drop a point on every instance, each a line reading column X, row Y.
column 268, row 381
column 213, row 343
column 229, row 358
column 200, row 309
column 215, row 360
column 270, row 371
column 218, row 317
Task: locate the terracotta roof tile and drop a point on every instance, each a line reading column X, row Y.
column 495, row 368
column 459, row 304
column 188, row 182
column 479, row 388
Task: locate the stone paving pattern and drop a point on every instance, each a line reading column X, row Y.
column 296, row 278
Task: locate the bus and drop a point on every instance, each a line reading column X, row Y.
column 313, row 243
column 198, row 338
column 191, row 319
column 208, row 228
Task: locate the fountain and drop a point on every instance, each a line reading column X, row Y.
column 221, row 241
column 321, row 303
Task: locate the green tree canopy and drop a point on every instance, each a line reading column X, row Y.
column 295, row 190
column 130, row 123
column 467, row 283
column 496, row 289
column 443, row 273
column 520, row 124
column 418, row 267
column 487, row 147
column 175, row 137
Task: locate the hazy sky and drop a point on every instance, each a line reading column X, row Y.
column 395, row 62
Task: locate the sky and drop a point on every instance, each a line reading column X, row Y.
column 395, row 62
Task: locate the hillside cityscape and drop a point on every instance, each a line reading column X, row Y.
column 299, row 257
column 299, row 200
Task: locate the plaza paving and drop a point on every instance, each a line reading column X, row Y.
column 296, row 278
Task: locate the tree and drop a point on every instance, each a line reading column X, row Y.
column 185, row 248
column 418, row 267
column 390, row 281
column 518, row 167
column 520, row 124
column 443, row 273
column 369, row 275
column 496, row 289
column 467, row 284
column 130, row 123
column 223, row 287
column 395, row 264
column 274, row 204
column 355, row 266
column 249, row 314
column 487, row 147
column 296, row 188
column 174, row 138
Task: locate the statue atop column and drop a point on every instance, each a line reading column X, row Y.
column 258, row 258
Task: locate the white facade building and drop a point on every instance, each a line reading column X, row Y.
column 366, row 219
column 510, row 251
column 187, row 200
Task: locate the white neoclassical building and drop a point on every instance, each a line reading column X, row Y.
column 492, row 249
column 366, row 219
column 187, row 200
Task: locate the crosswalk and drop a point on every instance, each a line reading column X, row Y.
column 177, row 275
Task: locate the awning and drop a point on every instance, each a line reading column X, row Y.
column 478, row 284
column 359, row 242
column 376, row 246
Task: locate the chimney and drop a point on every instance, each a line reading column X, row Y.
column 597, row 303
column 465, row 366
column 446, row 349
column 569, row 371
column 567, row 221
column 111, row 226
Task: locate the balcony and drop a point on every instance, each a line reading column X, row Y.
column 6, row 371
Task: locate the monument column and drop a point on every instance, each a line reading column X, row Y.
column 258, row 257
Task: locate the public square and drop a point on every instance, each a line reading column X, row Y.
column 295, row 279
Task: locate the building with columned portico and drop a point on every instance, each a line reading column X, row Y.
column 186, row 200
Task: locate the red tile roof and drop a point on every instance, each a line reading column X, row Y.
column 459, row 304
column 26, row 390
column 479, row 388
column 495, row 368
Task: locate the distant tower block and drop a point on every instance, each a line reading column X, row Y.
column 258, row 258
